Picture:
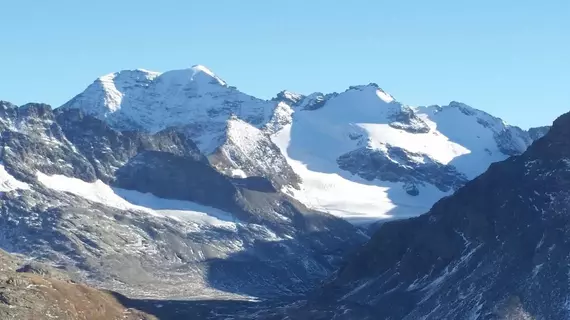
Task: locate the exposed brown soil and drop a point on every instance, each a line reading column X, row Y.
column 48, row 295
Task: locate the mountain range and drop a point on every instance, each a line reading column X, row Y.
column 175, row 185
column 360, row 154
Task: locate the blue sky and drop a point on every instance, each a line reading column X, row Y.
column 510, row 58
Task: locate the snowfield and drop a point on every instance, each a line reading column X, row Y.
column 339, row 193
column 9, row 183
column 123, row 199
column 361, row 117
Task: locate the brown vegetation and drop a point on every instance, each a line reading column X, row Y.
column 26, row 295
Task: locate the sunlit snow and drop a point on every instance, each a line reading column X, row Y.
column 337, row 192
column 9, row 183
column 133, row 200
column 315, row 139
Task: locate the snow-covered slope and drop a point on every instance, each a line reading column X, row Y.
column 359, row 154
column 9, row 183
column 486, row 138
column 123, row 199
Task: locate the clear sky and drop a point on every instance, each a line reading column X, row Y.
column 509, row 57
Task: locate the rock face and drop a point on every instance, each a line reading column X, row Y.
column 249, row 152
column 305, row 145
column 146, row 214
column 408, row 121
column 496, row 249
column 40, row 292
column 538, row 132
column 396, row 165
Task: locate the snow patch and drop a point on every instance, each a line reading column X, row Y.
column 238, row 173
column 337, row 192
column 436, row 146
column 384, row 96
column 9, row 183
column 113, row 97
column 123, row 199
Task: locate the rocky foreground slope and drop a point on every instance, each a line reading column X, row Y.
column 39, row 292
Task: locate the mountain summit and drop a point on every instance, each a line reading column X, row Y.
column 195, row 100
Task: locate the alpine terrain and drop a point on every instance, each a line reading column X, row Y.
column 190, row 198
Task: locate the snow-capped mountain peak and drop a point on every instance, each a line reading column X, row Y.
column 201, row 71
column 193, row 99
column 197, row 78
